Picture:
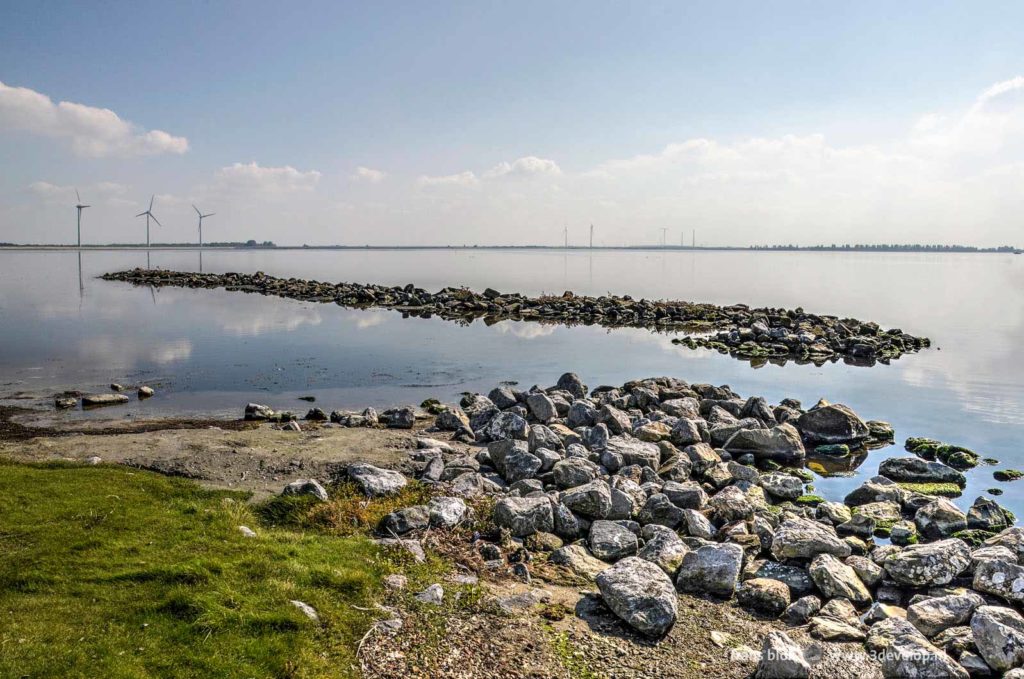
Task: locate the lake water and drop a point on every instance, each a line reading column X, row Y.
column 212, row 351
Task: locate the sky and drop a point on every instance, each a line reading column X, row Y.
column 411, row 123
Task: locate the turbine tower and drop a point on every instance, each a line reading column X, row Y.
column 591, row 236
column 565, row 230
column 201, row 218
column 149, row 213
column 664, row 235
column 80, row 207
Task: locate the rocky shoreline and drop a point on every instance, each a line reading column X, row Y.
column 758, row 334
column 660, row 486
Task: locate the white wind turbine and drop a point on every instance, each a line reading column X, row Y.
column 80, row 207
column 149, row 213
column 201, row 218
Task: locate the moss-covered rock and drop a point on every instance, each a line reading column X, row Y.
column 833, row 449
column 937, row 489
column 1008, row 475
column 809, row 500
column 955, row 456
column 974, row 536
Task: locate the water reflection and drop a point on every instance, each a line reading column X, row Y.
column 215, row 350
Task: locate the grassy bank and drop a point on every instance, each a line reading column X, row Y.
column 110, row 572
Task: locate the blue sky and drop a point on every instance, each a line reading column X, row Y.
column 636, row 116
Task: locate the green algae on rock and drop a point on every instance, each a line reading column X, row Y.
column 954, row 456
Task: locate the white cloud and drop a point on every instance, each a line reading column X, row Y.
column 100, row 191
column 92, row 132
column 528, row 166
column 253, row 177
column 461, row 179
column 370, row 175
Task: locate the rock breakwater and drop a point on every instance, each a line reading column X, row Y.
column 660, row 486
column 756, row 334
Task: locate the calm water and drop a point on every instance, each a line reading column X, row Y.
column 212, row 351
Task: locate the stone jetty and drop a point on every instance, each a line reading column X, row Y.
column 660, row 486
column 756, row 334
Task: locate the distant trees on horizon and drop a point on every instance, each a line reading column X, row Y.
column 888, row 247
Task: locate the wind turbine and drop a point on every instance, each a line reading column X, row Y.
column 201, row 218
column 149, row 213
column 80, row 207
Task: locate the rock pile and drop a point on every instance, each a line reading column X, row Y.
column 661, row 486
column 759, row 333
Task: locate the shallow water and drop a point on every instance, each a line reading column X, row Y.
column 212, row 351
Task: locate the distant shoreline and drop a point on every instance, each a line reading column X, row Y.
column 555, row 248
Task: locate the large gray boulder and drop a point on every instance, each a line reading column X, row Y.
column 520, row 465
column 804, row 539
column 574, row 471
column 541, row 407
column 686, row 495
column 617, row 421
column 999, row 636
column 578, row 560
column 939, row 519
column 927, row 565
column 932, row 616
column 663, row 548
column 622, row 452
column 611, row 541
column 763, row 595
column 1012, row 539
column 875, row 489
column 834, row 579
column 506, row 425
column 712, row 569
column 404, row 520
column 916, row 470
column 911, row 656
column 782, row 486
column 781, row 658
column 374, row 481
column 524, row 516
column 659, row 510
column 447, row 512
column 728, row 505
column 572, row 383
column 641, row 594
column 1002, row 578
column 781, row 443
column 833, row 423
column 592, row 500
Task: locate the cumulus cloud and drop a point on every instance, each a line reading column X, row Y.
column 461, row 179
column 93, row 132
column 254, row 177
column 370, row 175
column 528, row 166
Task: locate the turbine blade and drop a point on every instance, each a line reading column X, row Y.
column 210, row 215
column 155, row 219
column 85, row 206
column 197, row 210
column 79, row 197
column 141, row 214
column 151, row 199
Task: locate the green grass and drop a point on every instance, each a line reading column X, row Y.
column 109, row 572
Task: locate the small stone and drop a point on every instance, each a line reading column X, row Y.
column 434, row 594
column 306, row 610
